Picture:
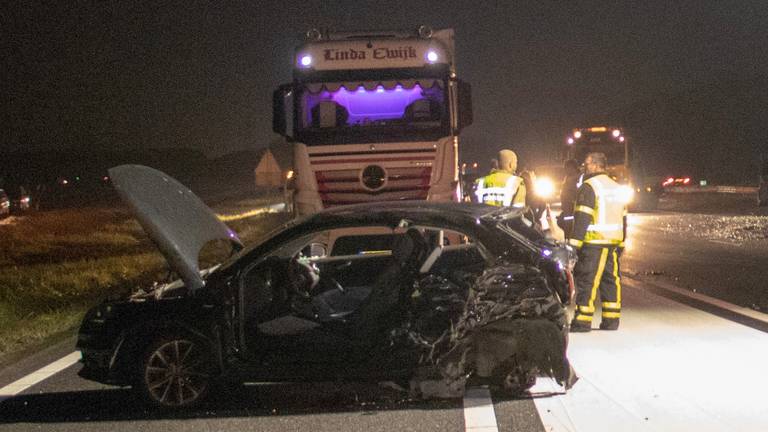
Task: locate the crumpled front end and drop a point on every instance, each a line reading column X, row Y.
column 511, row 329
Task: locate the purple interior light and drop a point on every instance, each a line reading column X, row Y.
column 378, row 103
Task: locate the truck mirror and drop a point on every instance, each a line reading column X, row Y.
column 282, row 109
column 465, row 105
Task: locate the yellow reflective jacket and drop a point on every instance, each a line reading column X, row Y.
column 600, row 213
column 500, row 188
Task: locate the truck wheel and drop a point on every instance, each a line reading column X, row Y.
column 176, row 371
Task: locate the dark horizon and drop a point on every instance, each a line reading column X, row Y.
column 687, row 80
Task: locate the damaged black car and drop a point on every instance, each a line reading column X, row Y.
column 430, row 295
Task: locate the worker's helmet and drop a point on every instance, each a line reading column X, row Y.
column 508, row 160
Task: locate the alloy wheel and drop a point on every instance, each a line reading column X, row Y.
column 176, row 373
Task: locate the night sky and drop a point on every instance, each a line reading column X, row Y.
column 101, row 75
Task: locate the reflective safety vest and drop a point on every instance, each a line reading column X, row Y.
column 607, row 227
column 501, row 188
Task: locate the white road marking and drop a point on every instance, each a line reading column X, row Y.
column 479, row 415
column 553, row 412
column 39, row 375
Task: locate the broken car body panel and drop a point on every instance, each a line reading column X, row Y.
column 177, row 220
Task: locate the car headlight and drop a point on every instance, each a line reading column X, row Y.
column 101, row 314
column 626, row 193
column 544, row 187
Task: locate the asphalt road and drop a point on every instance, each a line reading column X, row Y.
column 702, row 253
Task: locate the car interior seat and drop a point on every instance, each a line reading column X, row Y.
column 409, row 250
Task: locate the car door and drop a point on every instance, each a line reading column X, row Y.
column 276, row 328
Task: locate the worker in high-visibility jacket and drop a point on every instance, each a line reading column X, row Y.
column 599, row 230
column 502, row 187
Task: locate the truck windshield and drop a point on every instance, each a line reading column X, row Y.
column 370, row 111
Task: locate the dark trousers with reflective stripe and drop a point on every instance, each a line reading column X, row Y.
column 597, row 270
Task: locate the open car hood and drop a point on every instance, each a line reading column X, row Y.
column 177, row 220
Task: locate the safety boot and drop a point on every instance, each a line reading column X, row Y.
column 609, row 324
column 578, row 326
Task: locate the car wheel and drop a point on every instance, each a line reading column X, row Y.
column 519, row 381
column 512, row 379
column 175, row 372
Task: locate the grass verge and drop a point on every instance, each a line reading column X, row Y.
column 55, row 265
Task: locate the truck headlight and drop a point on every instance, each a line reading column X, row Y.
column 544, row 187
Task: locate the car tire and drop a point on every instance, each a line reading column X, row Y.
column 176, row 371
column 514, row 381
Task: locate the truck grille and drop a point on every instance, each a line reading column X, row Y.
column 340, row 187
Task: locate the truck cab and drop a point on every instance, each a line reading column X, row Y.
column 373, row 116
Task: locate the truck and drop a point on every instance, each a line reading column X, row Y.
column 622, row 163
column 372, row 116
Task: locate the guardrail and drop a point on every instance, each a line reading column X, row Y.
column 713, row 189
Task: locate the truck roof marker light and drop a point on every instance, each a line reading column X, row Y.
column 306, row 60
column 425, row 32
column 616, row 133
column 598, row 129
column 314, row 35
column 380, row 89
column 432, row 56
column 577, row 134
column 570, row 140
column 621, row 139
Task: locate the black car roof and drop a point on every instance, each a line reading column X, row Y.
column 417, row 209
column 477, row 220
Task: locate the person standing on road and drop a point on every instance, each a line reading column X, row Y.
column 502, row 187
column 568, row 191
column 599, row 230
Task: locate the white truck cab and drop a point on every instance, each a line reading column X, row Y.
column 373, row 116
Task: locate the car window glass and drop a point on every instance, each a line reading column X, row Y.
column 362, row 244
